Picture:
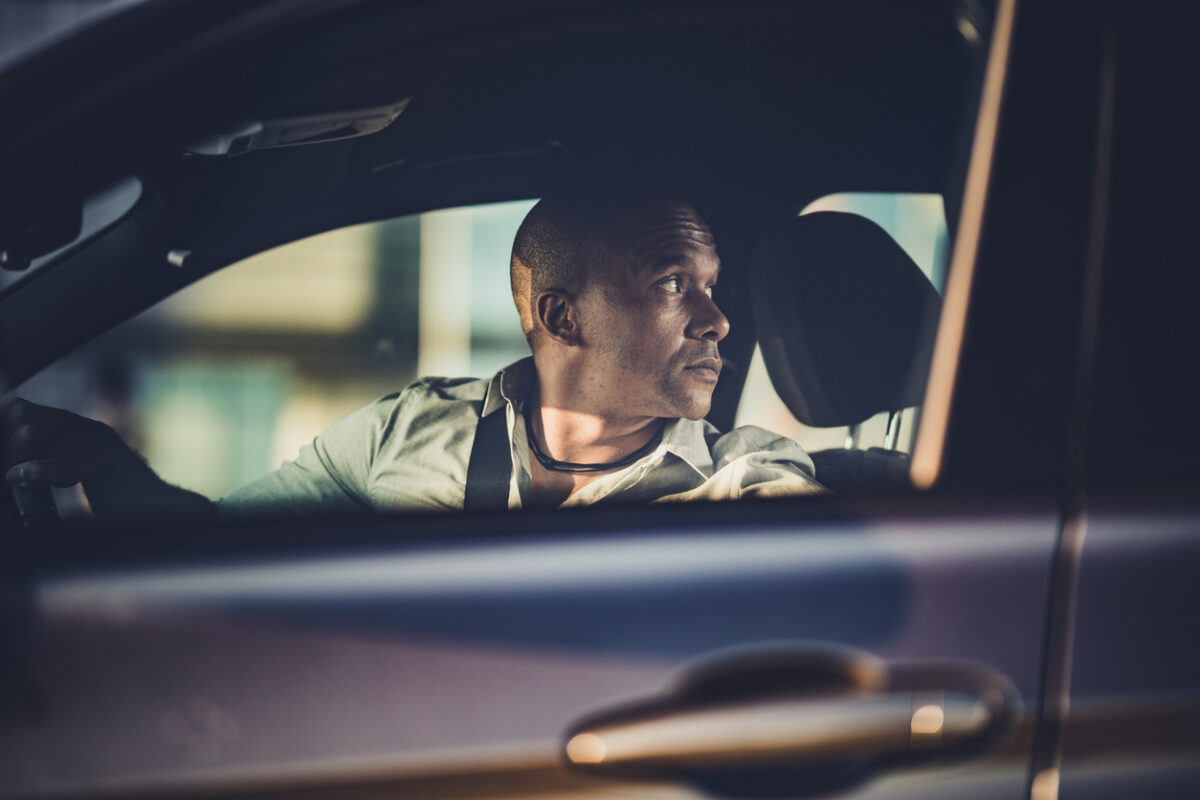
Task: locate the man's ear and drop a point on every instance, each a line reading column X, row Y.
column 556, row 313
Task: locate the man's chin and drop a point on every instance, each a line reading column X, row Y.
column 695, row 408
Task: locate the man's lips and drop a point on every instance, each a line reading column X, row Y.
column 708, row 368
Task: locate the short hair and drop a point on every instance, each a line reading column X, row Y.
column 571, row 233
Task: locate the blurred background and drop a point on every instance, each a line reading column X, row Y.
column 228, row 378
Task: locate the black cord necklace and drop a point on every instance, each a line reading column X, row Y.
column 554, row 465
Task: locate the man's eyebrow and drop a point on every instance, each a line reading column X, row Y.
column 671, row 260
column 676, row 260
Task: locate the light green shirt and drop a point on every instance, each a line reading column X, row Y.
column 409, row 451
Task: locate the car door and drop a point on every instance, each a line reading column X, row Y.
column 894, row 646
column 456, row 663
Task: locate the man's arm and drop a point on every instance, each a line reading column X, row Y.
column 42, row 445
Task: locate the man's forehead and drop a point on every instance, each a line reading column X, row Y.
column 661, row 229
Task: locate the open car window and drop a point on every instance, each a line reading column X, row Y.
column 231, row 377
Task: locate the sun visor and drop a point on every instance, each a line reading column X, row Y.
column 292, row 131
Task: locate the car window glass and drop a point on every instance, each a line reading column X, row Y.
column 918, row 224
column 223, row 381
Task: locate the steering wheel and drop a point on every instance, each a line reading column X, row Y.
column 33, row 506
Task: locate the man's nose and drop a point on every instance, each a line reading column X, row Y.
column 707, row 320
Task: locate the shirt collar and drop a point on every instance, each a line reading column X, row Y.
column 685, row 439
column 510, row 385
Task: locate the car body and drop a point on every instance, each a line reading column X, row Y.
column 1040, row 570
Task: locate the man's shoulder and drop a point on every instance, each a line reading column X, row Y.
column 432, row 396
column 760, row 444
column 447, row 389
column 512, row 380
column 429, row 400
column 752, row 437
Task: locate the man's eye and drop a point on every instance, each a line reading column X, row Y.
column 671, row 284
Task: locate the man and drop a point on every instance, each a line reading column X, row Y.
column 615, row 298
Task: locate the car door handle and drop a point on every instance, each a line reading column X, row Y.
column 801, row 718
column 795, row 728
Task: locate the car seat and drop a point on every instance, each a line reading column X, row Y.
column 846, row 322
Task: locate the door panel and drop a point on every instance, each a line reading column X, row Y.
column 457, row 665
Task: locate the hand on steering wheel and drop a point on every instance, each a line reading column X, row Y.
column 42, row 447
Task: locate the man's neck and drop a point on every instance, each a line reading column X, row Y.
column 586, row 436
column 565, row 430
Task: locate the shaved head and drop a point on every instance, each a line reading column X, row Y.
column 615, row 290
column 573, row 235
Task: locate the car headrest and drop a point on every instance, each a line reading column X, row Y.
column 845, row 319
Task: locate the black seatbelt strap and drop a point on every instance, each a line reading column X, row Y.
column 490, row 467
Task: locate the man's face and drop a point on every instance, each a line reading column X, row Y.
column 648, row 322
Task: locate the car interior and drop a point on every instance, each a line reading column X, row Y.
column 321, row 127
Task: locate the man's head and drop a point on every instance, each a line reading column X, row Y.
column 614, row 290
